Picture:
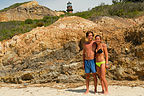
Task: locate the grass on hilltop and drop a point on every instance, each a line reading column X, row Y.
column 11, row 28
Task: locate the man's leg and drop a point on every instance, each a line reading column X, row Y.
column 87, row 82
column 95, row 82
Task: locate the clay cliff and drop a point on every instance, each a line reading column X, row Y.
column 29, row 10
column 54, row 53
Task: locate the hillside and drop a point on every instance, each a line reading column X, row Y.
column 12, row 28
column 125, row 10
column 34, row 52
column 54, row 53
column 27, row 10
column 133, row 11
column 13, row 6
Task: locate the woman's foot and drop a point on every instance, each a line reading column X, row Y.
column 87, row 91
column 106, row 92
column 102, row 91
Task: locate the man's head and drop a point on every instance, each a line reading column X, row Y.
column 90, row 35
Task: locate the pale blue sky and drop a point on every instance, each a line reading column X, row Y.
column 78, row 5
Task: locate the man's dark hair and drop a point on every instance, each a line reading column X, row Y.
column 98, row 36
column 88, row 32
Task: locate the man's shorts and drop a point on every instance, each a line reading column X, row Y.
column 90, row 66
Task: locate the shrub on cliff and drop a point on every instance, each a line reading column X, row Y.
column 126, row 9
column 39, row 24
column 50, row 19
column 28, row 21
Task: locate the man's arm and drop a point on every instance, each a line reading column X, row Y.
column 83, row 55
column 94, row 46
column 106, row 54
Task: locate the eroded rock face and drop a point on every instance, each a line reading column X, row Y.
column 54, row 53
column 30, row 10
column 44, row 52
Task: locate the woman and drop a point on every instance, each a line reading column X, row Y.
column 101, row 62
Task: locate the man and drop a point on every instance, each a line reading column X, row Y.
column 88, row 60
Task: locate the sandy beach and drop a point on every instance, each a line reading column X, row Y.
column 114, row 90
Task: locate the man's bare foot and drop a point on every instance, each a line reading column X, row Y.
column 106, row 92
column 87, row 91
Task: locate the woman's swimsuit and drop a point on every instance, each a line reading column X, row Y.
column 99, row 63
column 102, row 62
column 99, row 51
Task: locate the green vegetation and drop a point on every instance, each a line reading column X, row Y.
column 13, row 6
column 121, row 9
column 28, row 21
column 116, row 1
column 11, row 28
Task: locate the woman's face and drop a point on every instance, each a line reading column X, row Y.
column 98, row 39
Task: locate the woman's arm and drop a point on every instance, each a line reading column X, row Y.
column 106, row 54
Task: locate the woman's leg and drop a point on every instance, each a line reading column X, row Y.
column 103, row 72
column 99, row 75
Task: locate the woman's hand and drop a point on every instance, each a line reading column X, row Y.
column 106, row 66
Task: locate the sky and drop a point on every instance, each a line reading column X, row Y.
column 78, row 5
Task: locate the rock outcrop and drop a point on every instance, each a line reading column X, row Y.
column 30, row 10
column 54, row 53
column 44, row 50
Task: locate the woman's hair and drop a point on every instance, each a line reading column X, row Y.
column 88, row 32
column 98, row 36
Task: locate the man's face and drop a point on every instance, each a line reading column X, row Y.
column 98, row 39
column 90, row 37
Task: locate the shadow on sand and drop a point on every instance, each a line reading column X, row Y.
column 82, row 91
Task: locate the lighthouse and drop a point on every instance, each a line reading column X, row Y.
column 69, row 7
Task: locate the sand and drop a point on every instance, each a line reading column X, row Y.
column 114, row 90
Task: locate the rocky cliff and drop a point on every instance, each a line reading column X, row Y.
column 54, row 53
column 30, row 10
